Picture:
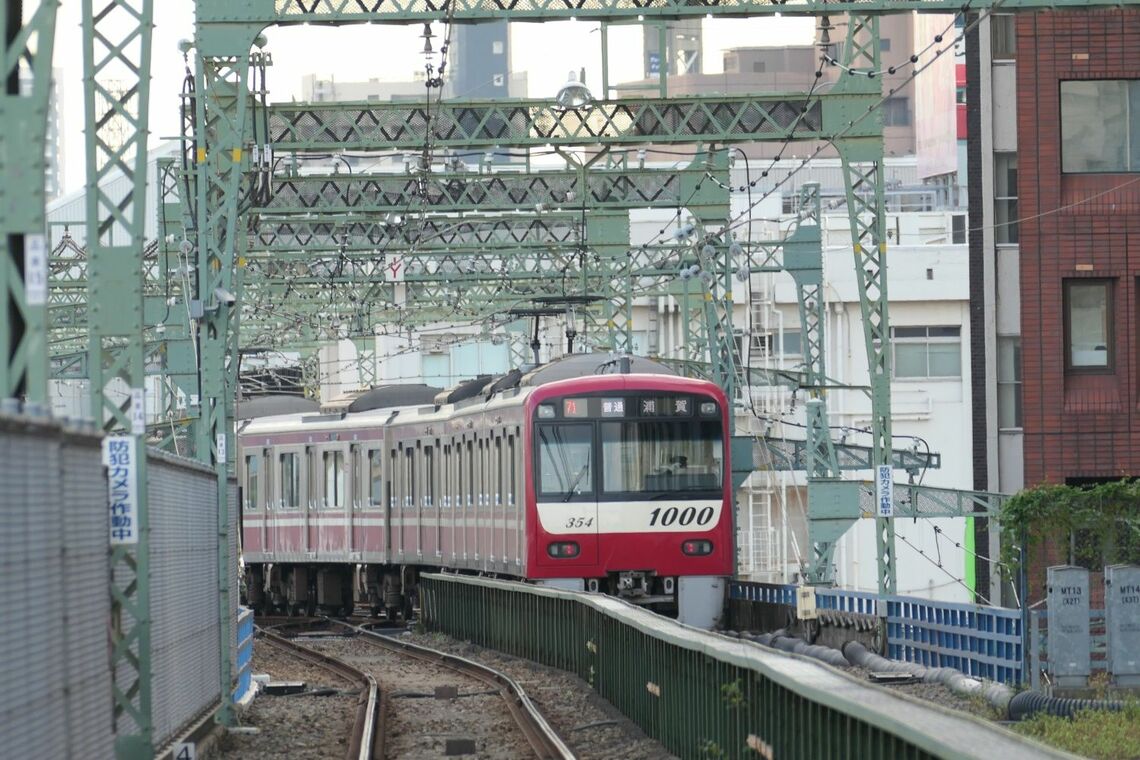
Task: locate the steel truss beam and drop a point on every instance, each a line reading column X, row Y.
column 27, row 51
column 320, row 127
column 433, row 232
column 617, row 187
column 262, row 13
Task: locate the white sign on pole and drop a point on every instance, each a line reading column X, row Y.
column 885, row 490
column 185, row 751
column 220, row 439
column 138, row 411
column 35, row 270
column 122, row 488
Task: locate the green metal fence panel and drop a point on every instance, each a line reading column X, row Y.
column 701, row 694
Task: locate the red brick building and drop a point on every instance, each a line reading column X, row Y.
column 1078, row 137
column 1054, row 152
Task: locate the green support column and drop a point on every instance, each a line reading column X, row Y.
column 833, row 506
column 117, row 99
column 862, row 159
column 23, row 243
column 221, row 106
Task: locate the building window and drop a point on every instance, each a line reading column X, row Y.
column 1005, row 198
column 1088, row 326
column 927, row 352
column 884, row 44
column 758, row 67
column 1100, row 126
column 1009, row 382
column 1003, row 37
column 896, row 112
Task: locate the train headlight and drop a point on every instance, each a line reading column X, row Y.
column 563, row 550
column 708, row 408
column 696, row 547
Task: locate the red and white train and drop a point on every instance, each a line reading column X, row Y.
column 616, row 482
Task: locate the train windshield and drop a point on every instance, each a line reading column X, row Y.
column 652, row 457
column 566, row 458
column 629, row 447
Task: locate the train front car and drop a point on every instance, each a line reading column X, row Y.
column 631, row 490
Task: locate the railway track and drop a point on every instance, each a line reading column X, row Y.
column 367, row 739
column 402, row 670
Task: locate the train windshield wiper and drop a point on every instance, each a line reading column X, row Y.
column 577, row 480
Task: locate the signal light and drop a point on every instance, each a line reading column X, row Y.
column 563, row 550
column 696, row 547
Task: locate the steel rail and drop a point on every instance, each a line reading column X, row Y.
column 367, row 740
column 541, row 735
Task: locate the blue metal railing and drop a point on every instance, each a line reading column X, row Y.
column 244, row 653
column 982, row 641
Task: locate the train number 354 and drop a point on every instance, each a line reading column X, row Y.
column 686, row 516
column 579, row 522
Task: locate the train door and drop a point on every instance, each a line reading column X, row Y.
column 289, row 525
column 367, row 526
column 391, row 503
column 437, row 466
column 446, row 517
column 500, row 522
column 333, row 508
column 254, row 518
column 308, row 504
column 470, row 516
column 512, row 524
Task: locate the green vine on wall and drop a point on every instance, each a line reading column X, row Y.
column 1096, row 526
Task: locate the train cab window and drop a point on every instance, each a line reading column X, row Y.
column 252, row 481
column 375, row 478
column 661, row 456
column 565, row 460
column 334, row 478
column 290, row 480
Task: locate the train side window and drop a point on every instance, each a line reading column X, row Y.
column 290, row 480
column 252, row 481
column 445, row 478
column 334, row 478
column 375, row 478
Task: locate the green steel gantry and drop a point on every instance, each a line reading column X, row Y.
column 213, row 243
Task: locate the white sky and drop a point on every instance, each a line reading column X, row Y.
column 389, row 53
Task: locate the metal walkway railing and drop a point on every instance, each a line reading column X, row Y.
column 702, row 694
